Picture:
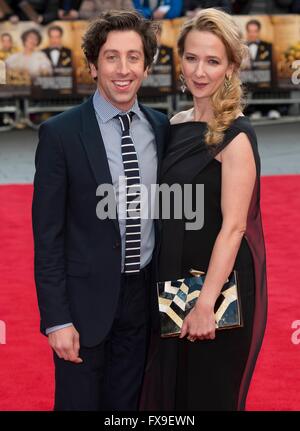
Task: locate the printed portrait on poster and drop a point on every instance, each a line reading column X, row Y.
column 258, row 69
column 161, row 78
column 287, row 49
column 38, row 59
column 84, row 83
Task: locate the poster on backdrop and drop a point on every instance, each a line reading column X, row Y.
column 38, row 59
column 177, row 26
column 57, row 45
column 161, row 79
column 18, row 81
column 2, row 73
column 287, row 49
column 258, row 70
column 84, row 83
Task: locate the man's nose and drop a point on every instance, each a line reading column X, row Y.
column 123, row 66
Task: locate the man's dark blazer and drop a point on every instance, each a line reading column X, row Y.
column 264, row 51
column 78, row 256
column 65, row 57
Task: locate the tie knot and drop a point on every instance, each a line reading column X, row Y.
column 125, row 120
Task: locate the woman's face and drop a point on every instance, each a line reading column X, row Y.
column 31, row 41
column 204, row 63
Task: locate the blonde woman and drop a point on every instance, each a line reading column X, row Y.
column 215, row 145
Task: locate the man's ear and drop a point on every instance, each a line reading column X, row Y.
column 146, row 72
column 94, row 72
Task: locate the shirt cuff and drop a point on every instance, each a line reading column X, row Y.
column 56, row 328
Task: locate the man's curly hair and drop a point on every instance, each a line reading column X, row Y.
column 96, row 35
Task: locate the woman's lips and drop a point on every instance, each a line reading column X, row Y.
column 199, row 84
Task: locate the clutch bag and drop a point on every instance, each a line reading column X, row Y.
column 176, row 298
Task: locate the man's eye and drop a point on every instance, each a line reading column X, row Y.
column 111, row 57
column 133, row 58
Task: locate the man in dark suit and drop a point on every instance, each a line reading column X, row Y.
column 259, row 69
column 93, row 273
column 59, row 55
column 260, row 50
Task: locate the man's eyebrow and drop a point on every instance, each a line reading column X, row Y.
column 131, row 51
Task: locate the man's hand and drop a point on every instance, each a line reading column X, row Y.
column 65, row 343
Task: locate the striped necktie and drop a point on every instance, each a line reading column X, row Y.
column 133, row 197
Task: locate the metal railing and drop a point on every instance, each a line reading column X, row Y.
column 17, row 113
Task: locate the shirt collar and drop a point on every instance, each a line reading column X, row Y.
column 106, row 111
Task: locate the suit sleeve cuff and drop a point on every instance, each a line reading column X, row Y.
column 56, row 328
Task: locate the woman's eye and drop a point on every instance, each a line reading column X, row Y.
column 190, row 58
column 213, row 61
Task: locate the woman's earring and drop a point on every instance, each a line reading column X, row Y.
column 227, row 84
column 183, row 86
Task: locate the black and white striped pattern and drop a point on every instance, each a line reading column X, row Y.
column 133, row 198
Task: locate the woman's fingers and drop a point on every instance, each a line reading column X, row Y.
column 184, row 329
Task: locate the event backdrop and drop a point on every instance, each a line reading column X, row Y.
column 36, row 68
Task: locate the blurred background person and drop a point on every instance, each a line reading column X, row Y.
column 259, row 49
column 191, row 7
column 257, row 7
column 260, row 52
column 46, row 10
column 159, row 9
column 7, row 47
column 295, row 7
column 59, row 55
column 69, row 9
column 90, row 8
column 30, row 59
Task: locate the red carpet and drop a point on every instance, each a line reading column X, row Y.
column 26, row 372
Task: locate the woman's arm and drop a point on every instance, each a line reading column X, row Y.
column 238, row 179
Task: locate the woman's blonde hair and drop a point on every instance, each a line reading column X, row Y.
column 228, row 100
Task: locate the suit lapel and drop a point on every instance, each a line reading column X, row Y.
column 94, row 146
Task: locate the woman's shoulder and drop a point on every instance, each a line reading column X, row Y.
column 242, row 121
column 241, row 124
column 238, row 136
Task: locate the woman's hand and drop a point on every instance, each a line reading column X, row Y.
column 200, row 323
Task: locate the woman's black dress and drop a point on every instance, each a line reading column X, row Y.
column 208, row 374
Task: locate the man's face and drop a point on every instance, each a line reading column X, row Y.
column 120, row 68
column 252, row 33
column 55, row 39
column 6, row 43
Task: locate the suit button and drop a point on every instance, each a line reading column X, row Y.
column 117, row 244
